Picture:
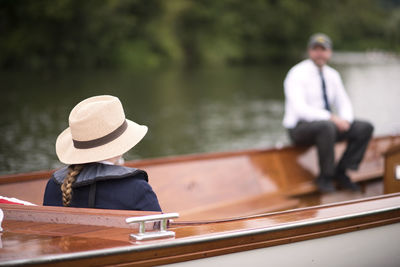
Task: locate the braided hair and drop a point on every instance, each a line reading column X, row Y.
column 66, row 187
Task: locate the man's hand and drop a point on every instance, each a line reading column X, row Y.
column 340, row 123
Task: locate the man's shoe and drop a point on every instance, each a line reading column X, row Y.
column 345, row 182
column 325, row 184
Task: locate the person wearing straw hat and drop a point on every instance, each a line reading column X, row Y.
column 92, row 147
column 318, row 112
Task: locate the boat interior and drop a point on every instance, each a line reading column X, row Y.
column 228, row 185
column 226, row 203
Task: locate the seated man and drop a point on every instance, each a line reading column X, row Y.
column 318, row 111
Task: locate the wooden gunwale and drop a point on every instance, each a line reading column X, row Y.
column 282, row 212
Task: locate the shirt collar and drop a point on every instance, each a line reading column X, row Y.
column 106, row 162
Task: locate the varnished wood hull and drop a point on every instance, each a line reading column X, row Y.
column 230, row 184
column 235, row 226
column 350, row 233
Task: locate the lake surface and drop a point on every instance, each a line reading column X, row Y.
column 187, row 111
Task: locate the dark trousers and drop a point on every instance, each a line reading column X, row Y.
column 324, row 134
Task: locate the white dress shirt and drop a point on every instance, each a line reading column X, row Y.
column 304, row 96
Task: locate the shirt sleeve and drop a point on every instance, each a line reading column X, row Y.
column 296, row 98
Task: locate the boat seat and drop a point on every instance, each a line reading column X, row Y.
column 245, row 183
column 225, row 187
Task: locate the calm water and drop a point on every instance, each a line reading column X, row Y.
column 205, row 110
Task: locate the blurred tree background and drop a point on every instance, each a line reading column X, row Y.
column 145, row 34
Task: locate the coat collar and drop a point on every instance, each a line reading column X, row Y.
column 94, row 172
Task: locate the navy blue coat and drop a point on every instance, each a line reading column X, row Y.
column 116, row 187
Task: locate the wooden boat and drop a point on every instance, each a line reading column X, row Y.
column 254, row 206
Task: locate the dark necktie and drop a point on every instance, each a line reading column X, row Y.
column 324, row 91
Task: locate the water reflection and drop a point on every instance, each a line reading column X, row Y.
column 205, row 110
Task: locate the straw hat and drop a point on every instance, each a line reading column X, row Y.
column 97, row 131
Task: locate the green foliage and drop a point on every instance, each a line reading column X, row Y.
column 142, row 34
column 68, row 33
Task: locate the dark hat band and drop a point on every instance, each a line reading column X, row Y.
column 102, row 140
